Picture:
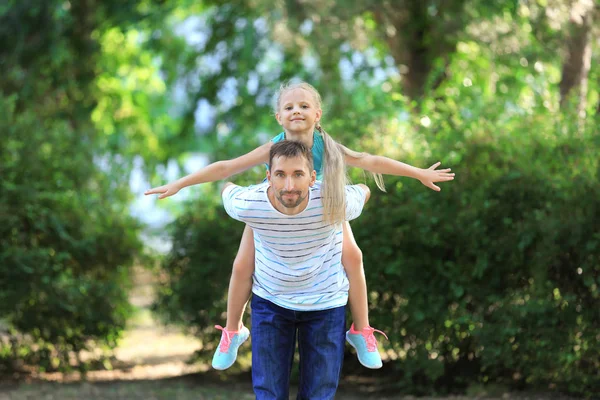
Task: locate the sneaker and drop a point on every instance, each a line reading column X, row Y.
column 366, row 346
column 228, row 347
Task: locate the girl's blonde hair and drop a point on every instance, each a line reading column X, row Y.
column 335, row 177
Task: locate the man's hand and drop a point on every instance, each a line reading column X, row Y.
column 430, row 175
column 165, row 191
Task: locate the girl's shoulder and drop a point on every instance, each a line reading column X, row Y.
column 318, row 143
column 278, row 138
column 318, row 137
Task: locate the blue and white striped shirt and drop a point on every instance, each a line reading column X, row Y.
column 297, row 257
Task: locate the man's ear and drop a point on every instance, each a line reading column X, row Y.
column 269, row 177
column 313, row 177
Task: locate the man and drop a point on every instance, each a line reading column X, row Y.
column 299, row 285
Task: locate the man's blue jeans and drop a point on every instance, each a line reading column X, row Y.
column 320, row 344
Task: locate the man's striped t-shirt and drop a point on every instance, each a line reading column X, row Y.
column 298, row 257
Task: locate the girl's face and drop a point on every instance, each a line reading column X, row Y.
column 298, row 112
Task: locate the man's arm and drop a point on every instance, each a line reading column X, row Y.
column 356, row 197
column 367, row 191
column 229, row 194
column 226, row 185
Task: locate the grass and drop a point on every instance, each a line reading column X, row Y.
column 133, row 390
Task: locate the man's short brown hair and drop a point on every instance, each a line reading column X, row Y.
column 291, row 149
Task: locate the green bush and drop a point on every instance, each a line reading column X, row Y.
column 67, row 242
column 495, row 278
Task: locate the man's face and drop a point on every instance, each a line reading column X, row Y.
column 290, row 180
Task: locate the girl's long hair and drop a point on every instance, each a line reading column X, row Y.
column 335, row 177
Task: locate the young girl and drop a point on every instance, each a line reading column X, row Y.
column 298, row 111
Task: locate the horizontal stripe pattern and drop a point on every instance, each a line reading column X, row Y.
column 298, row 257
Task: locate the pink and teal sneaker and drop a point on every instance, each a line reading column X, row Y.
column 228, row 347
column 366, row 346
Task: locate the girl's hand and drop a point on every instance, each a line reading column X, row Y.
column 165, row 191
column 431, row 175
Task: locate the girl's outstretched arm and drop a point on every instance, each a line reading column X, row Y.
column 387, row 166
column 215, row 171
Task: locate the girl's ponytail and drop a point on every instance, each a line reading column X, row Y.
column 335, row 178
column 333, row 190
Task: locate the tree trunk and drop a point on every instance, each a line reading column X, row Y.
column 416, row 39
column 578, row 60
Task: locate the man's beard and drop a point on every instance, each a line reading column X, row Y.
column 288, row 204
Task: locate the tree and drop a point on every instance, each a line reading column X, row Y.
column 67, row 239
column 578, row 58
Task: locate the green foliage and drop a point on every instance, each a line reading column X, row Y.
column 495, row 276
column 67, row 241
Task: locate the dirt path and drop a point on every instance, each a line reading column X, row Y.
column 148, row 349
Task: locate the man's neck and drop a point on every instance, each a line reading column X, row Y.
column 285, row 210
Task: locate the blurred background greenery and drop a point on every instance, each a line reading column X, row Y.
column 494, row 280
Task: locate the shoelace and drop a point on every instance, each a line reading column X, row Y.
column 225, row 339
column 369, row 335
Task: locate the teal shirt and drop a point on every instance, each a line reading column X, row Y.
column 318, row 150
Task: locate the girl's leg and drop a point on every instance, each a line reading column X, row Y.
column 235, row 334
column 240, row 284
column 352, row 261
column 361, row 334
